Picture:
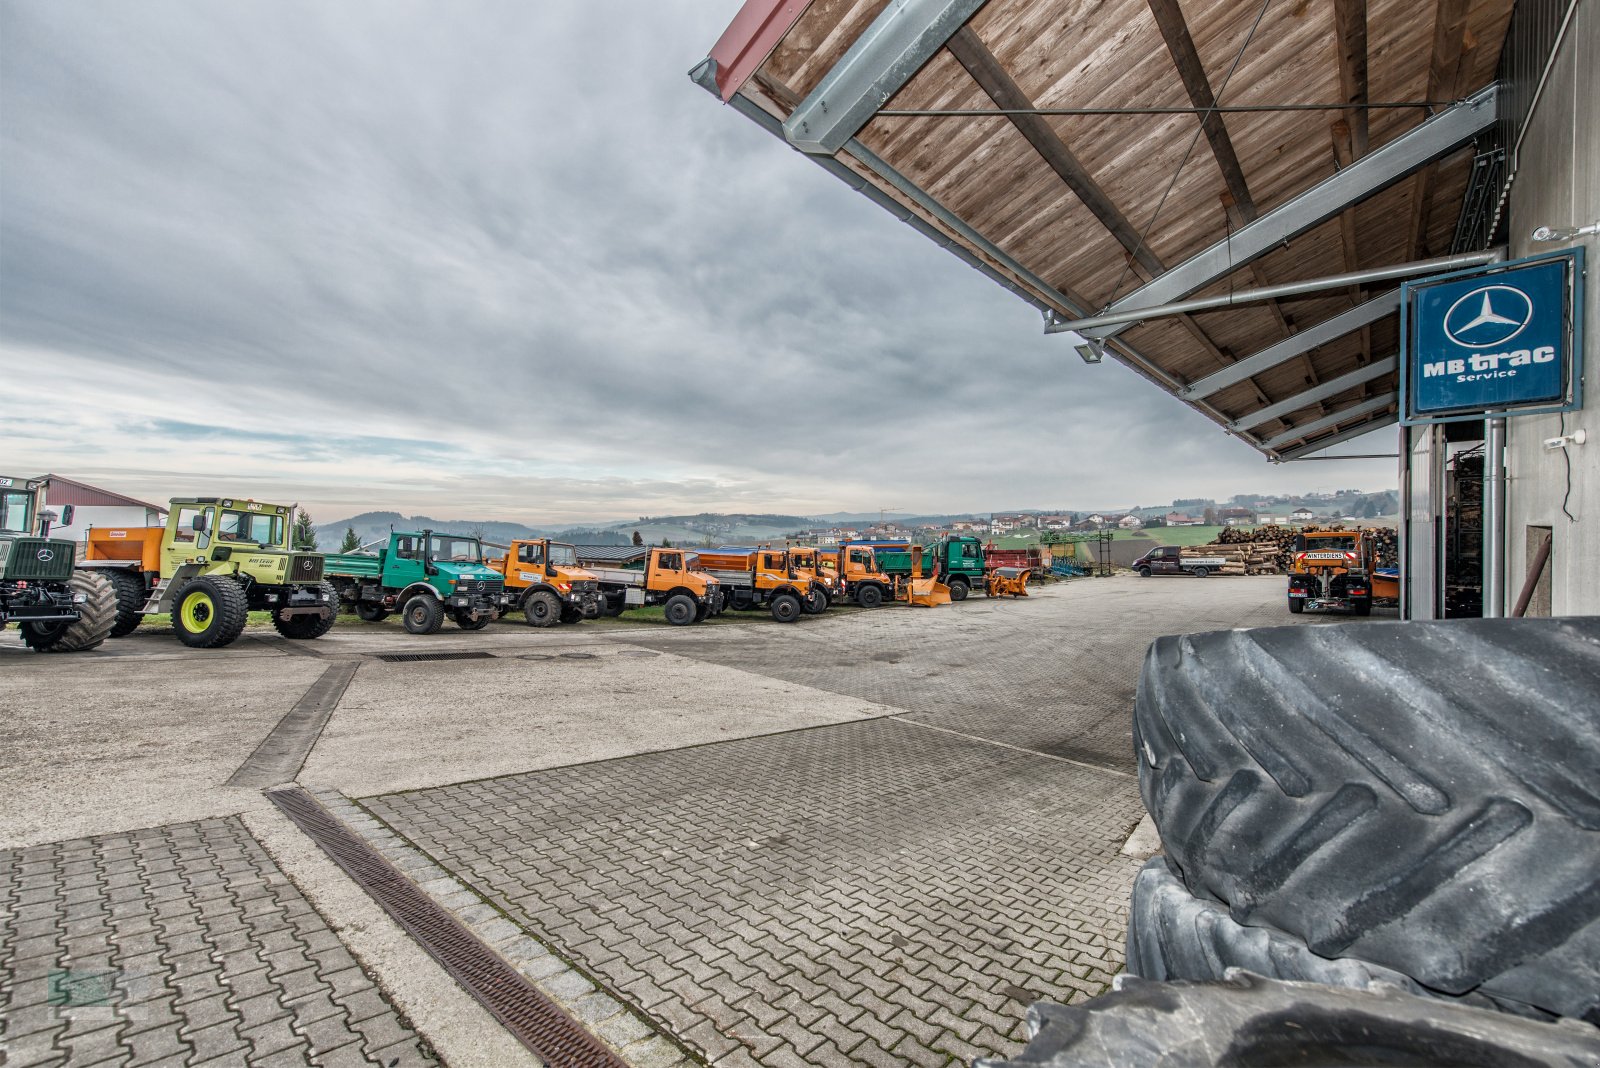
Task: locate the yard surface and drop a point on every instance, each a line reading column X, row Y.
column 870, row 837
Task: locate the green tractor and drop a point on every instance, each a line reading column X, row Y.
column 57, row 609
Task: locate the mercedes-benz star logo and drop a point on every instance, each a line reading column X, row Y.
column 46, row 555
column 1489, row 315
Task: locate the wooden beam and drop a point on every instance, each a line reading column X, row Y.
column 1169, row 18
column 1451, row 42
column 1006, row 94
column 1350, row 44
column 1344, row 154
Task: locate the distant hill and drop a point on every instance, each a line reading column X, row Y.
column 375, row 526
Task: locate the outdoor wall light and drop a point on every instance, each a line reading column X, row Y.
column 1091, row 349
column 1564, row 233
column 1577, row 437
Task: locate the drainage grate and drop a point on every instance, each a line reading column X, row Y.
column 579, row 656
column 412, row 658
column 536, row 1021
column 636, row 652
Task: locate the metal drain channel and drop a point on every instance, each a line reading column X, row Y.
column 412, row 658
column 535, row 1020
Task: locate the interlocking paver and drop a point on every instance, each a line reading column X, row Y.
column 178, row 944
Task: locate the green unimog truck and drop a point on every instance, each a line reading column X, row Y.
column 423, row 576
column 57, row 609
column 957, row 562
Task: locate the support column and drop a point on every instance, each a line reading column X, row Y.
column 1494, row 520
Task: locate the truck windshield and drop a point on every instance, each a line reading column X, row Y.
column 455, row 550
column 258, row 528
column 1340, row 542
column 563, row 556
column 14, row 512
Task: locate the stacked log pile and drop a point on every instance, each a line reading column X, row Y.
column 1270, row 550
column 1243, row 557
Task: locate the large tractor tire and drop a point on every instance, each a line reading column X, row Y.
column 209, row 613
column 869, row 597
column 959, row 588
column 680, row 610
column 541, row 608
column 129, row 590
column 785, row 608
column 96, row 616
column 1246, row 1020
column 1174, row 935
column 1420, row 795
column 423, row 614
column 304, row 628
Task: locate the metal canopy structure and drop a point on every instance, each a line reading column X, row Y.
column 1102, row 160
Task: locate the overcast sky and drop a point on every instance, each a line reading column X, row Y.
column 503, row 260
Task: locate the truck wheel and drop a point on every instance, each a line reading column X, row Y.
column 209, row 613
column 1174, row 935
column 542, row 609
column 571, row 614
column 959, row 589
column 1200, row 572
column 372, row 613
column 96, row 617
column 680, row 610
column 1245, row 1019
column 815, row 604
column 128, row 586
column 701, row 611
column 463, row 619
column 785, row 608
column 1362, row 607
column 1297, row 605
column 869, row 597
column 1144, row 572
column 1413, row 794
column 423, row 614
column 614, row 606
column 303, row 627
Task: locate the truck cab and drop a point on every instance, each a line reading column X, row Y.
column 1331, row 569
column 956, row 561
column 543, row 578
column 425, row 576
column 57, row 609
column 856, row 568
column 764, row 577
column 671, row 578
column 807, row 563
column 216, row 560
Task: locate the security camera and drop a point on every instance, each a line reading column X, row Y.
column 1577, row 437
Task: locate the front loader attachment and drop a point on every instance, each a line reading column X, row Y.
column 1007, row 582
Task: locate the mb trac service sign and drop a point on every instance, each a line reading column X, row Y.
column 1499, row 340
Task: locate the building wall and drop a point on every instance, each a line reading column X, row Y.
column 99, row 515
column 1558, row 184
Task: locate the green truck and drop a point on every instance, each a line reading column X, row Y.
column 423, row 576
column 957, row 562
column 57, row 609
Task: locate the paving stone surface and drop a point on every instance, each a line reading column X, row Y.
column 182, row 944
column 875, row 892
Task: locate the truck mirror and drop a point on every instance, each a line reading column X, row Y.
column 67, row 512
column 1299, row 543
column 199, row 523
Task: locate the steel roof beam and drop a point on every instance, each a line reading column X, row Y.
column 1300, row 452
column 1306, row 398
column 1328, row 422
column 1374, row 172
column 903, row 37
column 1290, row 347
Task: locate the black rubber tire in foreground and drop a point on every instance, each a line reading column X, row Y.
column 96, row 616
column 423, row 614
column 1174, row 935
column 1248, row 1020
column 229, row 611
column 681, row 610
column 959, row 589
column 1424, row 796
column 613, row 606
column 129, row 589
column 300, row 628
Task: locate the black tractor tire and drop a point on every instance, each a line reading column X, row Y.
column 680, row 610
column 571, row 614
column 96, row 616
column 423, row 614
column 299, row 628
column 959, row 588
column 1144, row 572
column 785, row 608
column 1297, row 605
column 463, row 619
column 1420, row 795
column 869, row 597
column 1247, row 1020
column 1174, row 935
column 815, row 603
column 613, row 605
column 541, row 608
column 371, row 613
column 218, row 619
column 131, row 594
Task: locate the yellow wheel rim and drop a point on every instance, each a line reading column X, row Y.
column 197, row 612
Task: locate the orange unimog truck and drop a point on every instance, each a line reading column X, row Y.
column 757, row 577
column 825, row 583
column 642, row 576
column 858, row 576
column 544, row 580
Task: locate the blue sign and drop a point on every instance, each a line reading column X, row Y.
column 1499, row 339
